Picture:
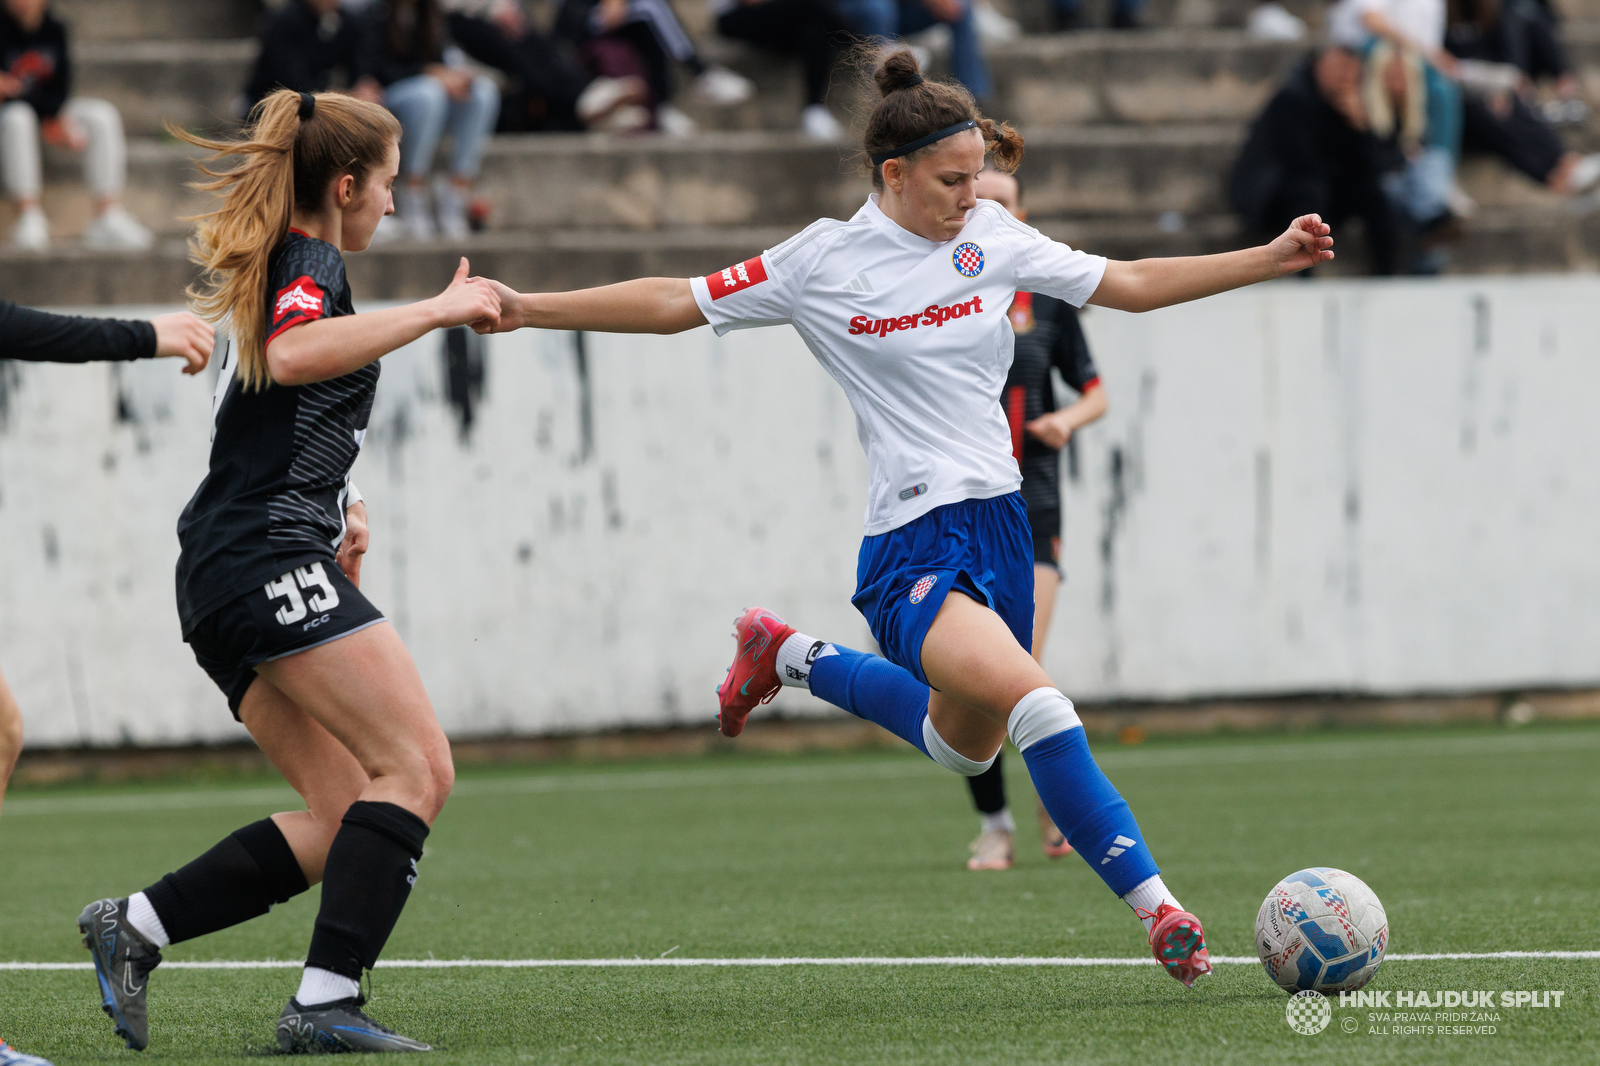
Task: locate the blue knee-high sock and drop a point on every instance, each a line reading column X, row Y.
column 1086, row 806
column 872, row 687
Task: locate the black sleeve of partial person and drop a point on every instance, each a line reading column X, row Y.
column 41, row 337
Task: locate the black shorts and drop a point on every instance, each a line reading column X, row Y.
column 1046, row 526
column 309, row 606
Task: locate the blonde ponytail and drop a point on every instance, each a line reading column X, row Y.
column 287, row 162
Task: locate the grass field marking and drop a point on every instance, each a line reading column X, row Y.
column 624, row 780
column 799, row 960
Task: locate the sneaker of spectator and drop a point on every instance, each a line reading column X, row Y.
column 721, row 87
column 818, row 124
column 993, row 27
column 36, row 104
column 597, row 107
column 1274, row 22
column 674, row 123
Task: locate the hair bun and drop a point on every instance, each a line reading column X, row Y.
column 898, row 70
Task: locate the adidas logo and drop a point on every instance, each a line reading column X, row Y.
column 859, row 283
column 1118, row 846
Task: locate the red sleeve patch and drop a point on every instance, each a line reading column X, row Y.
column 298, row 302
column 739, row 276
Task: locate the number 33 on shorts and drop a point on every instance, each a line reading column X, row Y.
column 322, row 596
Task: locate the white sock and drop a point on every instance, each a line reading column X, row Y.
column 1148, row 896
column 797, row 655
column 143, row 917
column 1000, row 819
column 324, row 986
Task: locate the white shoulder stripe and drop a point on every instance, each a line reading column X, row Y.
column 777, row 254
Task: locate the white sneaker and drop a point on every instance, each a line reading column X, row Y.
column 722, row 87
column 818, row 124
column 1585, row 175
column 605, row 95
column 995, row 849
column 674, row 123
column 624, row 119
column 1273, row 22
column 117, row 230
column 993, row 27
column 450, row 207
column 411, row 208
column 32, row 232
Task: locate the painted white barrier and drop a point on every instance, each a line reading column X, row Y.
column 1349, row 486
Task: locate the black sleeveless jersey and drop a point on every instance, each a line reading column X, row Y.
column 281, row 455
column 1048, row 335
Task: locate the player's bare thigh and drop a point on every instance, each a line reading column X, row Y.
column 1046, row 581
column 979, row 672
column 10, row 734
column 364, row 689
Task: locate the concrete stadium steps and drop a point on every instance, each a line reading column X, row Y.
column 543, row 184
column 1495, row 242
column 128, row 20
column 1095, row 77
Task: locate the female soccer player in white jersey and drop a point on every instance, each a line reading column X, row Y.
column 38, row 336
column 905, row 306
column 267, row 578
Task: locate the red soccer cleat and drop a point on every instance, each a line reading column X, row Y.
column 1052, row 839
column 1178, row 943
column 753, row 678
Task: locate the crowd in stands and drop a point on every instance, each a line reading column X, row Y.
column 1370, row 126
column 1374, row 125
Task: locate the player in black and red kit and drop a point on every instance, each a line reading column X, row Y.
column 1048, row 337
column 40, row 337
column 267, row 578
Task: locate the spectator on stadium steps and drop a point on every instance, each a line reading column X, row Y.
column 36, row 101
column 1310, row 152
column 1068, row 14
column 650, row 31
column 548, row 89
column 401, row 65
column 303, row 44
column 889, row 20
column 809, row 29
column 1500, row 49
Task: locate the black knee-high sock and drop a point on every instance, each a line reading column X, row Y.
column 239, row 879
column 989, row 789
column 371, row 868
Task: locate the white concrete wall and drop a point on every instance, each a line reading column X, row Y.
column 1377, row 487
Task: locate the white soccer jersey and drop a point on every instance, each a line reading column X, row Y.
column 916, row 333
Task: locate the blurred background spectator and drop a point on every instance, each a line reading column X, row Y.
column 1310, row 151
column 890, row 20
column 608, row 31
column 402, row 66
column 303, row 45
column 548, row 89
column 36, row 102
column 1523, row 35
column 811, row 30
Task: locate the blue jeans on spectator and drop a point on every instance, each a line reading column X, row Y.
column 889, row 19
column 425, row 111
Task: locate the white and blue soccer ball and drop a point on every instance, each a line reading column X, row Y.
column 1321, row 929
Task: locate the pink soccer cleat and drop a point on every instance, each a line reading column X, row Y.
column 1178, row 943
column 753, row 678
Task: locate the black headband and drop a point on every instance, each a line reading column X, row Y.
column 879, row 158
column 308, row 104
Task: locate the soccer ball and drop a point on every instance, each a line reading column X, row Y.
column 1321, row 929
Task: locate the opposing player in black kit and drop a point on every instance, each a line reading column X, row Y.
column 40, row 337
column 267, row 578
column 1048, row 336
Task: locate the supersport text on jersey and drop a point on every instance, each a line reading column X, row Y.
column 926, row 400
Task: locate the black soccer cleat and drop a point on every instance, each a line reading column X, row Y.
column 123, row 960
column 335, row 1027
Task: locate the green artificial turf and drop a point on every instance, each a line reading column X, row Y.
column 1476, row 840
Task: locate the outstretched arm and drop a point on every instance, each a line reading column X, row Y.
column 1146, row 284
column 647, row 305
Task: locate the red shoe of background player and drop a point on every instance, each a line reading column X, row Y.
column 753, row 678
column 1178, row 943
column 1052, row 839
